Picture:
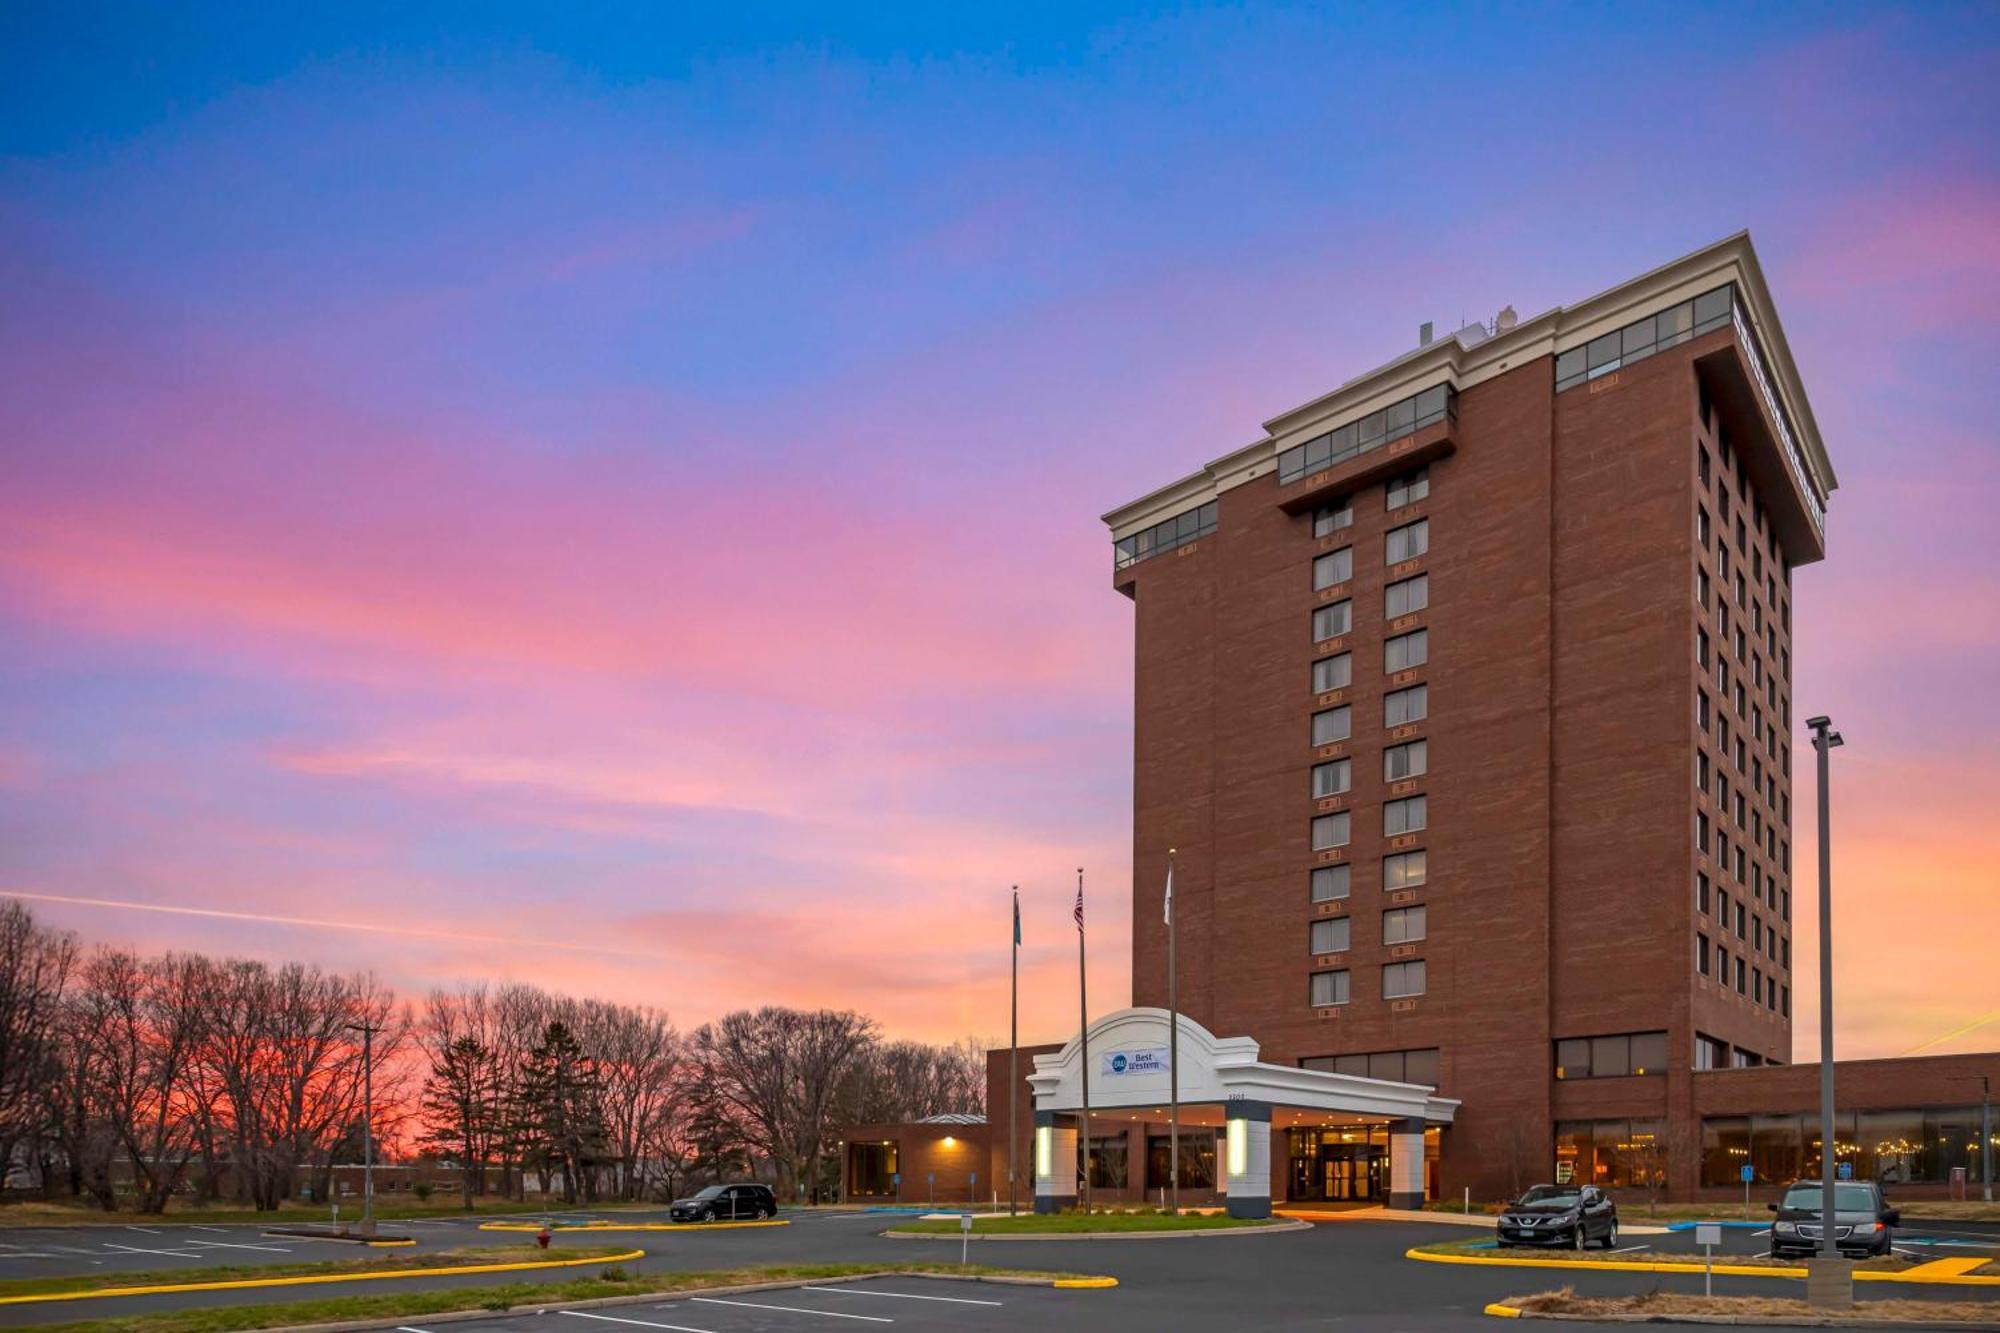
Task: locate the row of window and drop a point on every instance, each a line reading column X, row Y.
column 1335, row 934
column 1643, row 337
column 1617, row 1056
column 1748, row 978
column 1400, row 981
column 1399, row 708
column 1404, row 543
column 1406, row 814
column 1335, row 776
column 1399, row 653
column 1398, row 599
column 1419, row 1067
column 1909, row 1145
column 1165, row 536
column 1401, row 870
column 1369, row 433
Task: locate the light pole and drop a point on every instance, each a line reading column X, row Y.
column 1986, row 1138
column 1825, row 738
column 367, row 1031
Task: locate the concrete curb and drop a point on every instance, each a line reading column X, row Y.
column 741, row 1289
column 1937, row 1273
column 1502, row 1311
column 312, row 1279
column 1210, row 1233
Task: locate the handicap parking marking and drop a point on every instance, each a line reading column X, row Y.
column 899, row 1295
column 795, row 1309
column 642, row 1323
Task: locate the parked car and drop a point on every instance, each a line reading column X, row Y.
column 1570, row 1216
column 1862, row 1219
column 726, row 1203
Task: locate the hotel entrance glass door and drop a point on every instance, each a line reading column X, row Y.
column 1335, row 1166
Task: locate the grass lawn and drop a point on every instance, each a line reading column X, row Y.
column 1566, row 1301
column 456, row 1258
column 1029, row 1224
column 33, row 1213
column 418, row 1304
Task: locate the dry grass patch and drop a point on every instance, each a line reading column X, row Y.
column 1481, row 1249
column 1663, row 1304
column 375, row 1262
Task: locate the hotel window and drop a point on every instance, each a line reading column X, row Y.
column 1408, row 542
column 1701, row 830
column 1330, row 831
column 1333, row 673
column 1701, row 648
column 1701, row 891
column 1701, row 709
column 1178, row 531
column 1330, row 519
column 1710, row 1054
column 1641, row 338
column 1405, row 870
column 1701, row 526
column 1701, row 770
column 1333, row 567
column 1404, row 816
column 1331, row 779
column 1329, row 987
column 1701, row 954
column 1401, row 706
column 1408, row 760
column 1409, row 488
column 1331, row 935
column 1612, row 1057
column 1403, row 925
column 1406, row 650
column 1400, row 599
column 1722, row 908
column 1400, row 980
column 1701, row 588
column 1332, row 724
column 1331, row 883
column 1369, row 433
column 1330, row 622
column 1742, row 973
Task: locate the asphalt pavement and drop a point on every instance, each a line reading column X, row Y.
column 1349, row 1273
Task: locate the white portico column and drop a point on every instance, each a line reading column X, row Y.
column 1406, row 1163
column 1055, row 1161
column 1246, row 1152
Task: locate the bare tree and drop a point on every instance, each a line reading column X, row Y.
column 145, row 1020
column 35, row 966
column 779, row 1072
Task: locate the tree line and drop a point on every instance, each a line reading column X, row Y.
column 132, row 1079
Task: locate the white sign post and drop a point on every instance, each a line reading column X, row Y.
column 964, row 1236
column 1708, row 1235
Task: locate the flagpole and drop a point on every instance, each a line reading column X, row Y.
column 1173, row 1044
column 1083, row 1035
column 1013, row 1047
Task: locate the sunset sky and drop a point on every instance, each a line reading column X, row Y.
column 612, row 501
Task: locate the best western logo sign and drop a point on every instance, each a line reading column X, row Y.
column 1141, row 1060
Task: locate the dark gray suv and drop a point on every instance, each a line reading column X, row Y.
column 1570, row 1216
column 726, row 1203
column 1862, row 1219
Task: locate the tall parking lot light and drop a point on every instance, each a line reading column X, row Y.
column 367, row 1031
column 1825, row 738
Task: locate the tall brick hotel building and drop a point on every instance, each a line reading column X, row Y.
column 1464, row 696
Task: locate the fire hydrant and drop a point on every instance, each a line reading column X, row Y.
column 543, row 1237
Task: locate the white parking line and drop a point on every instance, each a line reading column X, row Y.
column 151, row 1231
column 136, row 1249
column 198, row 1227
column 642, row 1323
column 405, row 1328
column 795, row 1309
column 1626, row 1249
column 905, row 1295
column 236, row 1245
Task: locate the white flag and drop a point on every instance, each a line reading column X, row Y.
column 1169, row 916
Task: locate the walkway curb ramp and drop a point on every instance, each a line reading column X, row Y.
column 1197, row 1233
column 314, row 1279
column 1938, row 1272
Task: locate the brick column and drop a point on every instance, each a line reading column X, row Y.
column 1406, row 1163
column 1246, row 1158
column 1055, row 1161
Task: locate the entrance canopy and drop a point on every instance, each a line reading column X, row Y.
column 1129, row 1070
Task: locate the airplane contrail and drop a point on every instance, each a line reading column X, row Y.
column 1979, row 1022
column 317, row 923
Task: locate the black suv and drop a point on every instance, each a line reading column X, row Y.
column 1570, row 1216
column 1862, row 1219
column 726, row 1203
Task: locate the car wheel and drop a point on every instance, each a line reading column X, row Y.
column 1576, row 1241
column 1611, row 1236
column 707, row 1215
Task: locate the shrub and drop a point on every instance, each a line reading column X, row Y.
column 615, row 1274
column 422, row 1189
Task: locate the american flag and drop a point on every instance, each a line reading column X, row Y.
column 1079, row 904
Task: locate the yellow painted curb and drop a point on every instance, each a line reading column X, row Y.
column 1604, row 1265
column 1939, row 1272
column 591, row 1227
column 1085, row 1283
column 389, row 1244
column 1499, row 1311
column 309, row 1279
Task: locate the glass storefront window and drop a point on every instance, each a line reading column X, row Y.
column 1108, row 1162
column 871, row 1169
column 1197, row 1160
